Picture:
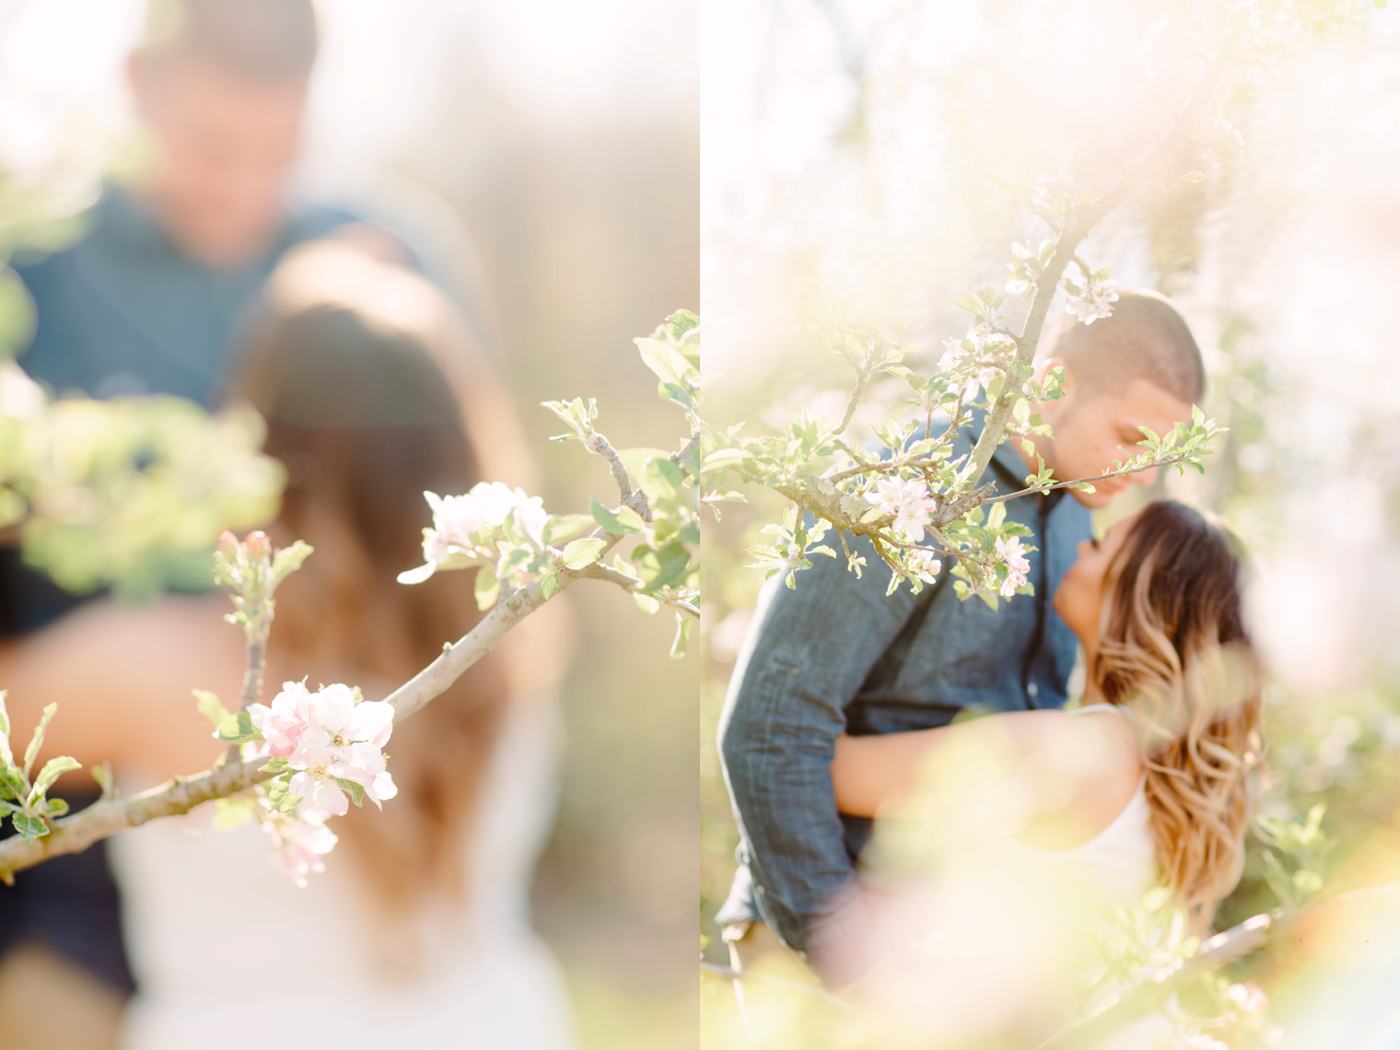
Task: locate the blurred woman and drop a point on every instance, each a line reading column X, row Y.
column 418, row 930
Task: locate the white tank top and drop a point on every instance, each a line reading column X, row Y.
column 1120, row 859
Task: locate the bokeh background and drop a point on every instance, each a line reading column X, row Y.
column 547, row 154
column 870, row 161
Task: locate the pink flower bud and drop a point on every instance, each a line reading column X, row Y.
column 257, row 545
column 228, row 544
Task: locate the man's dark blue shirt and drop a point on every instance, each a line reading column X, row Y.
column 836, row 655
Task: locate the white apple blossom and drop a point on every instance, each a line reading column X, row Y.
column 302, row 839
column 281, row 723
column 1094, row 300
column 478, row 527
column 923, row 564
column 1017, row 565
column 342, row 739
column 327, row 737
column 909, row 500
column 470, row 524
column 980, row 348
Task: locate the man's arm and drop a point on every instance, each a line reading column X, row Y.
column 806, row 657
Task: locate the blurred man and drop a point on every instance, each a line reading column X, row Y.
column 150, row 300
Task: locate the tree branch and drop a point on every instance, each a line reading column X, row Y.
column 107, row 817
column 1049, row 280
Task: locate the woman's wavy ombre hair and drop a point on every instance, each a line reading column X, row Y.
column 1175, row 653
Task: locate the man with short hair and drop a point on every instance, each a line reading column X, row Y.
column 836, row 654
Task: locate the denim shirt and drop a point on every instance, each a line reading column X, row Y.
column 835, row 654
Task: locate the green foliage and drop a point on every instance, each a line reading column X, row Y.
column 132, row 492
column 27, row 804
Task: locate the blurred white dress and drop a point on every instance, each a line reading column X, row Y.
column 1000, row 944
column 229, row 953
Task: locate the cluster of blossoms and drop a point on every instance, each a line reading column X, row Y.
column 982, row 351
column 329, row 746
column 923, row 564
column 481, row 527
column 1092, row 300
column 1018, row 567
column 908, row 500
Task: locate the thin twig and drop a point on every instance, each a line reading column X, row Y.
column 1080, row 481
column 634, row 498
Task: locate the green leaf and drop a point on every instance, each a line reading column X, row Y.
column 673, row 561
column 576, row 414
column 486, row 588
column 4, row 715
column 619, row 523
column 549, row 585
column 237, row 728
column 55, row 807
column 355, row 790
column 562, row 527
column 37, row 740
column 30, row 827
column 13, row 783
column 288, row 560
column 233, row 812
column 665, row 361
column 725, row 458
column 103, row 776
column 582, row 553
column 680, row 323
column 273, row 765
column 212, row 708
column 53, row 769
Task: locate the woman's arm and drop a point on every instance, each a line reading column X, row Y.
column 1082, row 765
column 122, row 676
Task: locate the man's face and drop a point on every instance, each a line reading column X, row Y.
column 226, row 146
column 1094, row 428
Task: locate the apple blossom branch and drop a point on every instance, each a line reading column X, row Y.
column 1065, row 249
column 501, row 532
column 230, row 777
column 1123, row 472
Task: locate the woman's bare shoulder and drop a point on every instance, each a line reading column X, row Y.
column 1094, row 756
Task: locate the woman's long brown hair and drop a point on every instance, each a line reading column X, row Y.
column 373, row 393
column 1175, row 652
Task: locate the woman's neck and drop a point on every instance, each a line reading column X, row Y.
column 1093, row 693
